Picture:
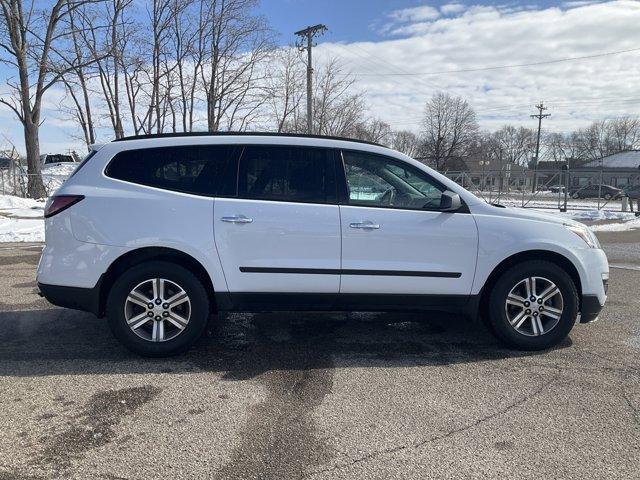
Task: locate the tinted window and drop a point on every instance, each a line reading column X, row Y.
column 294, row 174
column 376, row 181
column 204, row 170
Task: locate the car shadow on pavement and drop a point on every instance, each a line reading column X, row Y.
column 240, row 346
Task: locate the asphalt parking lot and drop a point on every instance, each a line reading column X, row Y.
column 321, row 396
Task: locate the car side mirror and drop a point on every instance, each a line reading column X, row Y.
column 450, row 201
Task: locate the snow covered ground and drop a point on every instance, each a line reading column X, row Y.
column 605, row 220
column 21, row 219
column 21, row 230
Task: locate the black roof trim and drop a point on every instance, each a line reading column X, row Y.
column 246, row 134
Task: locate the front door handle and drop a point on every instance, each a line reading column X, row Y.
column 237, row 219
column 365, row 225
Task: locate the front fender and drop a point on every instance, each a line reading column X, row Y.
column 504, row 237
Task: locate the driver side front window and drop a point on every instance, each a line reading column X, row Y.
column 376, row 181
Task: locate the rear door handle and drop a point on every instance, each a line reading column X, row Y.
column 237, row 219
column 365, row 225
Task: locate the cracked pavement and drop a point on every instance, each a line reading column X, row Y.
column 321, row 396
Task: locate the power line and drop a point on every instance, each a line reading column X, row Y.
column 387, row 64
column 621, row 101
column 370, row 69
column 500, row 67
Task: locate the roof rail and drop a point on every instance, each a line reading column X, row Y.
column 233, row 134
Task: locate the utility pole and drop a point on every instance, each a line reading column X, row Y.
column 306, row 43
column 541, row 108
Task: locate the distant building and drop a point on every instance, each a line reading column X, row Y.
column 478, row 174
column 618, row 170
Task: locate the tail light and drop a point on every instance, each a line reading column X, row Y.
column 58, row 203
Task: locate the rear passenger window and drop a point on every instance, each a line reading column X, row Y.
column 199, row 169
column 294, row 174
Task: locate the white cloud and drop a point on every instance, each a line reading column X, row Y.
column 452, row 8
column 415, row 14
column 577, row 92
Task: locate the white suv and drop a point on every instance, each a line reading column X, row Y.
column 159, row 232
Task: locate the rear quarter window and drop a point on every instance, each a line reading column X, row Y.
column 207, row 170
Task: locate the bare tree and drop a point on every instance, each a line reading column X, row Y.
column 450, row 127
column 515, row 145
column 284, row 86
column 373, row 130
column 406, row 142
column 133, row 72
column 105, row 42
column 557, row 147
column 337, row 110
column 28, row 39
column 77, row 83
column 623, row 133
column 186, row 33
column 234, row 43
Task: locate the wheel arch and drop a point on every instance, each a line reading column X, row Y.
column 554, row 257
column 144, row 254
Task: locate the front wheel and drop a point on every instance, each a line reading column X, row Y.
column 533, row 305
column 157, row 309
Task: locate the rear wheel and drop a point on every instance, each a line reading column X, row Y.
column 533, row 305
column 157, row 309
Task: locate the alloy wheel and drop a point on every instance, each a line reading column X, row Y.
column 534, row 306
column 157, row 310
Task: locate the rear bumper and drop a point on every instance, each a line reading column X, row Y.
column 77, row 298
column 590, row 308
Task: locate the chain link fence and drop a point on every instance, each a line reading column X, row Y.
column 604, row 189
column 15, row 181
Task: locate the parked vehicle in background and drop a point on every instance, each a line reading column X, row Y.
column 5, row 163
column 55, row 159
column 606, row 192
column 159, row 232
column 632, row 191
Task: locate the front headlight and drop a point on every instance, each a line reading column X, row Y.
column 585, row 234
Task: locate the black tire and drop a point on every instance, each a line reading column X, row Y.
column 199, row 308
column 499, row 322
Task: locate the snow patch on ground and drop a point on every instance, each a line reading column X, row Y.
column 21, row 230
column 618, row 221
column 59, row 168
column 617, row 227
column 599, row 215
column 11, row 206
column 21, row 219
